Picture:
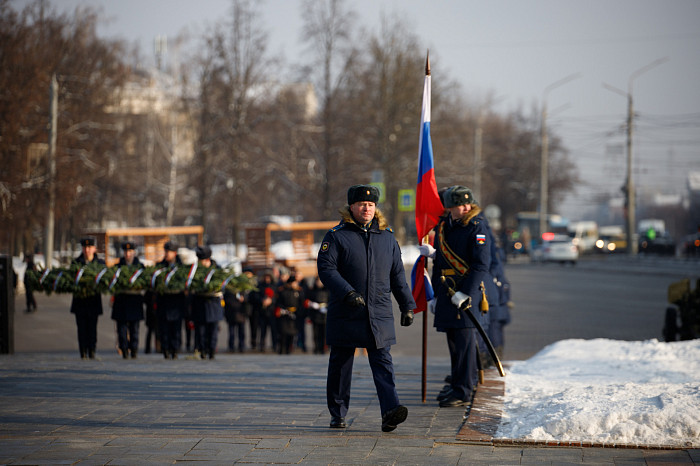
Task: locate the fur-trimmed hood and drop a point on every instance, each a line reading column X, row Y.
column 378, row 215
column 476, row 210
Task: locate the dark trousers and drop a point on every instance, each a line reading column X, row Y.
column 152, row 334
column 170, row 335
column 236, row 330
column 340, row 377
column 208, row 336
column 253, row 322
column 319, row 338
column 31, row 302
column 267, row 322
column 128, row 335
column 463, row 353
column 87, row 333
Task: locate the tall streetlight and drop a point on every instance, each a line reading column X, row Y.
column 629, row 184
column 544, row 162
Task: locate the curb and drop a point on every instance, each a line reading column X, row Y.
column 483, row 419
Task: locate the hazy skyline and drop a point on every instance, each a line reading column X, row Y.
column 513, row 50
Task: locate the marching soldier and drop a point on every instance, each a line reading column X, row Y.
column 127, row 309
column 87, row 309
column 462, row 257
column 207, row 311
column 171, row 308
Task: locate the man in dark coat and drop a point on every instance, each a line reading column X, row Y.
column 360, row 264
column 207, row 310
column 88, row 308
column 127, row 309
column 462, row 255
column 171, row 307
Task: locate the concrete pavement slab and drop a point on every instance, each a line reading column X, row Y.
column 247, row 408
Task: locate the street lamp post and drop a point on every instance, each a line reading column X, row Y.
column 544, row 162
column 630, row 193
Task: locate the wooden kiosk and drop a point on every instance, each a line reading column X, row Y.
column 153, row 239
column 259, row 239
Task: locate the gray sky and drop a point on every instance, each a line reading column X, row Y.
column 513, row 50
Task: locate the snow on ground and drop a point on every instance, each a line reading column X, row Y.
column 607, row 391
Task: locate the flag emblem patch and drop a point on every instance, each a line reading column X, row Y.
column 481, row 239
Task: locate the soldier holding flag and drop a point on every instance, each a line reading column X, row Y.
column 462, row 257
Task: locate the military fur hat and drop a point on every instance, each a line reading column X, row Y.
column 362, row 193
column 457, row 195
column 127, row 245
column 170, row 246
column 203, row 252
column 87, row 241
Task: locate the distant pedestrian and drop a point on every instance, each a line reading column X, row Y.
column 87, row 307
column 127, row 309
column 29, row 291
column 263, row 301
column 289, row 301
column 360, row 264
column 317, row 305
column 237, row 311
column 302, row 314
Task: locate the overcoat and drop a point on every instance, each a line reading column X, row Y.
column 207, row 308
column 128, row 306
column 368, row 262
column 468, row 239
column 171, row 307
column 90, row 305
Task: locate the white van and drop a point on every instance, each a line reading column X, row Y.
column 584, row 235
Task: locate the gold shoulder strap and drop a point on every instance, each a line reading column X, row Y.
column 456, row 262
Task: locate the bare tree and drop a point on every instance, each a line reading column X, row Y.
column 328, row 31
column 36, row 44
column 233, row 81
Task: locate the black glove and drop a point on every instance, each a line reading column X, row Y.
column 406, row 318
column 354, row 299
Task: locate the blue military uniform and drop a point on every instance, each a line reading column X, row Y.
column 499, row 313
column 467, row 240
column 366, row 260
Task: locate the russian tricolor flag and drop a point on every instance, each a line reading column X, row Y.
column 428, row 204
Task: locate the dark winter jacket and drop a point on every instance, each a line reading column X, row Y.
column 128, row 306
column 368, row 262
column 207, row 307
column 469, row 239
column 89, row 305
column 171, row 307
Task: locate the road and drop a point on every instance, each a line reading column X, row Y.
column 601, row 297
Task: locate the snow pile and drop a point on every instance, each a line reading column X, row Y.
column 606, row 391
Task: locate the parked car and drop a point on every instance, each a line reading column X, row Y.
column 559, row 248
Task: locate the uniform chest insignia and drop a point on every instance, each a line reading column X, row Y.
column 481, row 239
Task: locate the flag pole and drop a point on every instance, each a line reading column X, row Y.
column 424, row 362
